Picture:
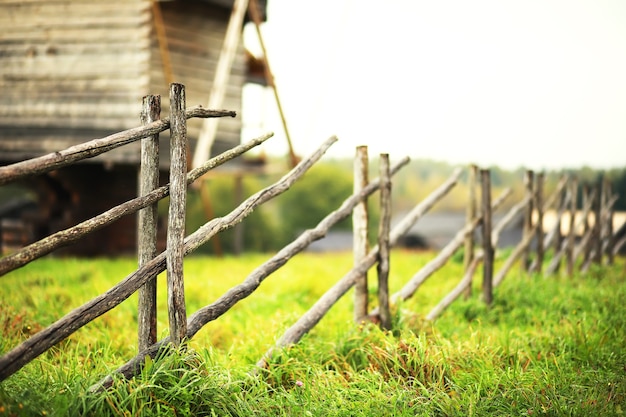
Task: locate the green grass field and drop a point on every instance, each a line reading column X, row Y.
column 547, row 346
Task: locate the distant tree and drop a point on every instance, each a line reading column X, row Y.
column 321, row 191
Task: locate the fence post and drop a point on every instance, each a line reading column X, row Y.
column 470, row 214
column 486, row 229
column 147, row 224
column 360, row 232
column 597, row 224
column 586, row 227
column 610, row 241
column 383, row 242
column 571, row 237
column 558, row 233
column 176, row 219
column 539, row 231
column 529, row 179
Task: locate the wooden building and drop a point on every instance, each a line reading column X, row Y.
column 75, row 70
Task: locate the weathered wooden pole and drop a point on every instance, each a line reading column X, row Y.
column 557, row 243
column 176, row 218
column 539, row 181
column 470, row 214
column 597, row 225
column 486, row 230
column 529, row 179
column 609, row 239
column 253, row 12
column 360, row 236
column 383, row 243
column 586, row 226
column 571, row 236
column 147, row 224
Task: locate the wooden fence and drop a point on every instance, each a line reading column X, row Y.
column 596, row 240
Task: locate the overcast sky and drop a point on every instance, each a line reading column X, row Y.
column 533, row 83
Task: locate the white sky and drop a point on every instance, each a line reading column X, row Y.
column 533, row 83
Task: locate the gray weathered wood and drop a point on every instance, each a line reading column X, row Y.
column 557, row 233
column 488, row 252
column 529, row 179
column 95, row 147
column 15, row 359
column 588, row 198
column 539, row 180
column 571, row 236
column 608, row 238
column 147, row 225
column 596, row 254
column 360, row 238
column 470, row 213
column 383, row 243
column 72, row 234
column 177, row 311
column 220, row 80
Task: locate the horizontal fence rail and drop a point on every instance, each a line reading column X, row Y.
column 73, row 154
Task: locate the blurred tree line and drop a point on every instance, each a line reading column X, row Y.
column 329, row 183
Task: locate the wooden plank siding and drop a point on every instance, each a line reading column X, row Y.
column 71, row 71
column 76, row 70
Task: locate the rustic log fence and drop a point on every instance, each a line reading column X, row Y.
column 596, row 242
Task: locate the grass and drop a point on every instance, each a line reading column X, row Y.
column 547, row 345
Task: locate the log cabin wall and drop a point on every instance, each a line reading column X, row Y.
column 75, row 70
column 71, row 71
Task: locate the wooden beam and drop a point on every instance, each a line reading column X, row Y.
column 222, row 74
